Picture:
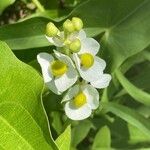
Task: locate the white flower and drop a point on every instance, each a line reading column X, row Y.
column 80, row 101
column 58, row 74
column 90, row 67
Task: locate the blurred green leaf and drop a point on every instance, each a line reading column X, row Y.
column 80, row 131
column 102, row 139
column 136, row 135
column 27, row 34
column 139, row 76
column 63, row 141
column 56, row 121
column 135, row 92
column 4, row 4
column 129, row 115
column 22, row 86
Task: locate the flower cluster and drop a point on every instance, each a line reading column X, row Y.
column 74, row 66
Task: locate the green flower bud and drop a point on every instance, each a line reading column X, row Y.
column 75, row 46
column 77, row 22
column 51, row 30
column 68, row 26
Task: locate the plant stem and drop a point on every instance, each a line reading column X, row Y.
column 38, row 5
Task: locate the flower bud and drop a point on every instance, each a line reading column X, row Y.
column 75, row 46
column 77, row 22
column 68, row 26
column 51, row 30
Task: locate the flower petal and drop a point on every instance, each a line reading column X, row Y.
column 71, row 93
column 51, row 85
column 94, row 72
column 77, row 113
column 81, row 35
column 92, row 95
column 55, row 41
column 44, row 60
column 69, row 78
column 102, row 82
column 89, row 45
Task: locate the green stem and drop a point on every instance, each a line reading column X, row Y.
column 38, row 5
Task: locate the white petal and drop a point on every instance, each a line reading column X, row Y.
column 51, row 85
column 93, row 73
column 92, row 96
column 89, row 45
column 63, row 57
column 68, row 79
column 44, row 60
column 71, row 93
column 55, row 41
column 77, row 113
column 81, row 35
column 102, row 82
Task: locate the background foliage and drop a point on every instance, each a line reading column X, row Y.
column 31, row 117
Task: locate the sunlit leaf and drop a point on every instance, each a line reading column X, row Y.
column 64, row 140
column 4, row 4
column 102, row 139
column 22, row 86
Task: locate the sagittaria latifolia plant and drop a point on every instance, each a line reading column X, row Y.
column 75, row 67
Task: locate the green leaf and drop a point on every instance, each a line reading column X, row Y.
column 63, row 141
column 18, row 130
column 102, row 139
column 136, row 135
column 57, row 123
column 22, row 85
column 4, row 4
column 129, row 115
column 135, row 92
column 30, row 34
column 126, row 26
column 80, row 131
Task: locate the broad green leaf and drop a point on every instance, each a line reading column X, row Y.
column 135, row 92
column 129, row 115
column 102, row 139
column 63, row 141
column 126, row 26
column 4, row 4
column 80, row 131
column 18, row 130
column 22, row 85
column 26, row 34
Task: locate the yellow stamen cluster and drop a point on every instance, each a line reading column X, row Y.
column 58, row 68
column 86, row 60
column 79, row 100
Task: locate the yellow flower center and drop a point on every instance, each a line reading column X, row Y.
column 58, row 68
column 87, row 60
column 79, row 100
